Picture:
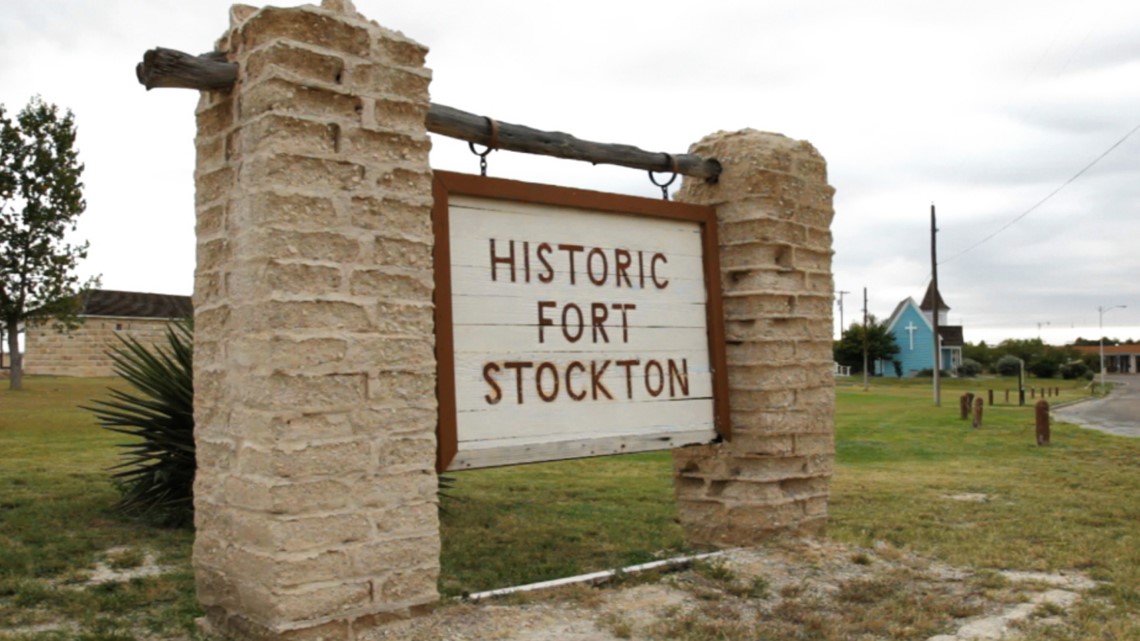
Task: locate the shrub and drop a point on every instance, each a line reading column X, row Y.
column 156, row 475
column 929, row 373
column 1044, row 367
column 969, row 368
column 1073, row 370
column 1007, row 365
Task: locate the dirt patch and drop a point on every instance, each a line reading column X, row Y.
column 796, row 589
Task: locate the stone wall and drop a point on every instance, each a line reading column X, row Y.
column 774, row 211
column 83, row 350
column 315, row 403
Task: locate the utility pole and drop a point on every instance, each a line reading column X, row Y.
column 841, row 326
column 934, row 316
column 866, row 339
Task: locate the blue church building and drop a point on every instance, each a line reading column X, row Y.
column 912, row 325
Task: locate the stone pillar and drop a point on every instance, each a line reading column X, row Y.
column 314, row 363
column 774, row 215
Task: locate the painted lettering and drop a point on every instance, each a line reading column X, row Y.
column 518, row 366
column 574, row 365
column 542, row 393
column 497, row 260
column 598, row 316
column 570, row 251
column 541, row 253
column 597, row 279
column 496, row 394
column 596, row 384
column 628, row 365
column 653, row 270
column 566, row 325
column 680, row 376
column 622, row 261
column 649, row 366
column 543, row 321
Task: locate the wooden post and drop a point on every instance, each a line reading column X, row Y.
column 1032, row 392
column 977, row 413
column 1042, row 410
column 1007, row 397
column 963, row 407
column 934, row 316
column 991, row 397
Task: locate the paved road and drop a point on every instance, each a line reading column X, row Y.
column 1119, row 413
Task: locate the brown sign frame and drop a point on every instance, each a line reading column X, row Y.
column 446, row 183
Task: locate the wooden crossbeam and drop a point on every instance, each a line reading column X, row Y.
column 168, row 68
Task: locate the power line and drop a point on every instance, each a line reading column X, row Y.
column 1046, row 198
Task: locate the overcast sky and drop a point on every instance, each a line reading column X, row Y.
column 981, row 107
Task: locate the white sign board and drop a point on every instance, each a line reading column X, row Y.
column 575, row 332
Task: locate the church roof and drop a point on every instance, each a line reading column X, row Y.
column 928, row 300
column 107, row 302
column 951, row 336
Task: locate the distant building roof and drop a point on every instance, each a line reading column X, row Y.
column 109, row 302
column 951, row 336
column 1108, row 349
column 928, row 300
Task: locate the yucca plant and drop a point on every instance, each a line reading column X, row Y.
column 156, row 475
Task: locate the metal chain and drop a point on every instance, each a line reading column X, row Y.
column 482, row 157
column 672, row 162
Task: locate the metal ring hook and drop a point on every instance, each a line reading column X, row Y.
column 664, row 186
column 494, row 144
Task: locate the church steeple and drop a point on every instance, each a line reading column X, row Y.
column 928, row 302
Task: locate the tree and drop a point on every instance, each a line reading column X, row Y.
column 881, row 345
column 41, row 198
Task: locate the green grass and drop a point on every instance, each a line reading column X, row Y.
column 1073, row 505
column 56, row 523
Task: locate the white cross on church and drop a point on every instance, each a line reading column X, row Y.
column 911, row 329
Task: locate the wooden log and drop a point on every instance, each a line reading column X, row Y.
column 451, row 122
column 167, row 68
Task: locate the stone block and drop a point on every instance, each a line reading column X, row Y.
column 393, row 216
column 392, row 285
column 397, row 252
column 400, row 51
column 281, row 391
column 322, row 30
column 379, row 147
column 277, row 133
column 284, row 209
column 286, row 96
column 212, row 187
column 302, row 278
column 408, row 82
column 297, row 61
column 378, row 557
column 302, row 172
column 300, row 459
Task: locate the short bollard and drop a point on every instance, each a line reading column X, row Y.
column 991, row 397
column 1032, row 392
column 977, row 413
column 969, row 401
column 1042, row 422
column 963, row 407
column 1007, row 397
